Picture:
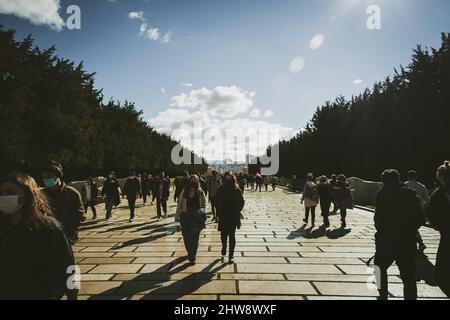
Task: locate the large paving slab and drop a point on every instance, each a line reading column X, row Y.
column 277, row 257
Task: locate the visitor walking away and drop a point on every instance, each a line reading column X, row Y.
column 324, row 189
column 398, row 216
column 310, row 198
column 343, row 198
column 145, row 185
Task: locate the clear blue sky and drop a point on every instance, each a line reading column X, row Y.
column 248, row 44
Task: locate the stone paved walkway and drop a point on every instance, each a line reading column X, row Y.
column 275, row 257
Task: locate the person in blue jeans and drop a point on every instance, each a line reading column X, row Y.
column 192, row 198
column 111, row 192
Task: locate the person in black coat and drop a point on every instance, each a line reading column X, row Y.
column 324, row 188
column 145, row 185
column 229, row 204
column 398, row 216
column 111, row 192
column 36, row 258
column 439, row 215
column 131, row 190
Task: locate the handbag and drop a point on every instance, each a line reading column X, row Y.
column 200, row 219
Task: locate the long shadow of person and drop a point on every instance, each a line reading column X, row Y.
column 337, row 233
column 189, row 284
column 152, row 236
column 425, row 270
column 297, row 233
column 315, row 234
column 151, row 284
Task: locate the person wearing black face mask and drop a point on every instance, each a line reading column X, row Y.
column 439, row 215
column 229, row 202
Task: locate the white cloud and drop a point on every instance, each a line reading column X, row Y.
column 167, row 37
column 148, row 31
column 357, row 82
column 256, row 113
column 163, row 90
column 317, row 41
column 195, row 119
column 224, row 102
column 187, row 84
column 139, row 15
column 268, row 114
column 39, row 12
column 297, row 65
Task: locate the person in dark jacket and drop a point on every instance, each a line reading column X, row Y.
column 67, row 206
column 131, row 190
column 145, row 185
column 111, row 192
column 161, row 188
column 439, row 215
column 343, row 198
column 229, row 202
column 398, row 216
column 89, row 194
column 36, row 258
column 324, row 189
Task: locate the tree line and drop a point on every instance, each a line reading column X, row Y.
column 403, row 122
column 50, row 108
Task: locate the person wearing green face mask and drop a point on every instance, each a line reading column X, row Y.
column 66, row 201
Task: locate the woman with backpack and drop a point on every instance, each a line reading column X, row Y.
column 343, row 198
column 310, row 199
column 191, row 209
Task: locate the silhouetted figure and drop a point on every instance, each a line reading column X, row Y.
column 213, row 186
column 273, row 182
column 343, row 198
column 439, row 216
column 310, row 198
column 259, row 180
column 89, row 194
column 230, row 202
column 111, row 192
column 67, row 206
column 334, row 182
column 324, row 188
column 424, row 197
column 242, row 183
column 145, row 185
column 398, row 216
column 131, row 190
column 162, row 194
column 192, row 200
column 35, row 253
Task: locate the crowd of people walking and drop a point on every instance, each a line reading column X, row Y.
column 38, row 226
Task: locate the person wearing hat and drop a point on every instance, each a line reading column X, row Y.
column 398, row 216
column 66, row 201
